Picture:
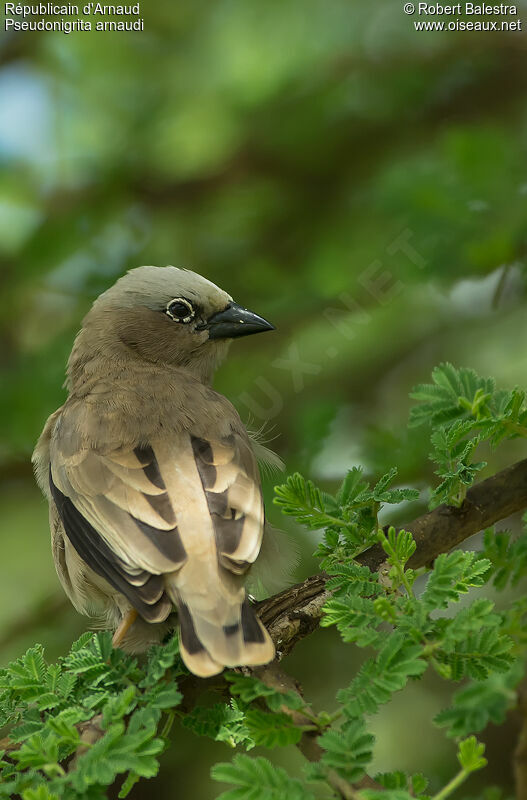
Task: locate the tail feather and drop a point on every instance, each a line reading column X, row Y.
column 193, row 653
column 207, row 647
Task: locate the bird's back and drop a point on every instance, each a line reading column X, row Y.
column 158, row 490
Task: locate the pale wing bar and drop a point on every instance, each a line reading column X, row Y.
column 229, row 477
column 96, row 497
column 133, row 515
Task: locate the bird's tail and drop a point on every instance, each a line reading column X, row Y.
column 222, row 636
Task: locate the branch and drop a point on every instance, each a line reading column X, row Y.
column 90, row 732
column 272, row 675
column 296, row 612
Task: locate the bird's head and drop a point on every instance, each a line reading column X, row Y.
column 172, row 316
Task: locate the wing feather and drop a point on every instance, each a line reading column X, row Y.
column 133, row 516
column 177, row 520
column 145, row 591
column 230, row 479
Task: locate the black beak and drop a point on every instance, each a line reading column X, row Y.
column 236, row 321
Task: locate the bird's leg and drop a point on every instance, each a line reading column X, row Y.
column 124, row 626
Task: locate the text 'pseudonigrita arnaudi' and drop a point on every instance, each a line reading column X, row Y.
column 70, row 10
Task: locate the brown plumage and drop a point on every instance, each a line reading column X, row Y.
column 152, row 482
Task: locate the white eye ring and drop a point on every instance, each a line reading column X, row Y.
column 176, row 315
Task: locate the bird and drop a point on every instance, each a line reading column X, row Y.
column 152, row 480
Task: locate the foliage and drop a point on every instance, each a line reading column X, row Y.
column 258, row 779
column 47, row 705
column 507, row 555
column 349, row 518
column 465, row 410
column 359, row 184
column 204, row 170
column 97, row 714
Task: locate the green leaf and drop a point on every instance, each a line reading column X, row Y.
column 392, row 780
column 82, row 642
column 397, row 661
column 160, row 659
column 354, row 490
column 356, row 618
column 352, row 578
column 453, row 574
column 32, row 723
column 386, row 794
column 481, row 702
column 400, row 785
column 461, row 397
column 40, row 753
column 303, row 500
column 271, row 730
column 88, row 661
column 419, row 784
column 398, row 545
column 164, row 696
column 477, row 655
column 33, row 663
column 258, row 779
column 382, row 494
column 64, row 726
column 468, row 620
column 508, row 557
column 39, row 793
column 248, row 689
column 348, row 751
column 118, row 706
column 470, row 754
column 454, row 394
column 128, row 784
column 121, row 749
column 222, row 722
column 27, row 675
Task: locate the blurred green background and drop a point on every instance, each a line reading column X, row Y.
column 362, row 185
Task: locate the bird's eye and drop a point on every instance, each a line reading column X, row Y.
column 180, row 310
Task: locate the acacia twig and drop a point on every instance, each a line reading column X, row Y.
column 296, row 612
column 272, row 675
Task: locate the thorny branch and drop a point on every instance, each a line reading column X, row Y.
column 294, row 613
column 272, row 675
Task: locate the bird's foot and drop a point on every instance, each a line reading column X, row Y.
column 123, row 627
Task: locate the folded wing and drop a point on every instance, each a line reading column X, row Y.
column 175, row 521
